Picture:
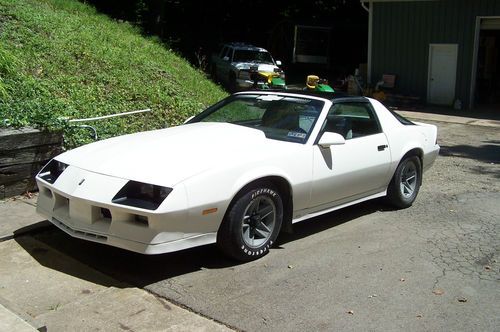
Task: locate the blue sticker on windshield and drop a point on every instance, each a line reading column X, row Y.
column 296, row 134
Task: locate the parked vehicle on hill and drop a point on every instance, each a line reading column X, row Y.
column 237, row 173
column 242, row 66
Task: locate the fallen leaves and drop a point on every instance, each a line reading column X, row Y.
column 402, row 279
column 351, row 312
column 462, row 299
column 438, row 291
column 487, row 267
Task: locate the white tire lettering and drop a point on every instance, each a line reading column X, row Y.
column 264, row 191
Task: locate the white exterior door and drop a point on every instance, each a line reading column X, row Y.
column 351, row 171
column 356, row 169
column 442, row 73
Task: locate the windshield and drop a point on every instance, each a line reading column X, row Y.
column 282, row 118
column 252, row 56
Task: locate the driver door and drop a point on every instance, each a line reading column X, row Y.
column 356, row 169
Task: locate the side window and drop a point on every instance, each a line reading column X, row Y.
column 352, row 120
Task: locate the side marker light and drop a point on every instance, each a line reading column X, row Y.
column 208, row 211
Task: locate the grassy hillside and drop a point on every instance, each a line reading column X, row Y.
column 60, row 58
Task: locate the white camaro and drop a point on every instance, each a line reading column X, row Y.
column 237, row 173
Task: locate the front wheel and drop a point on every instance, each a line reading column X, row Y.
column 405, row 184
column 252, row 224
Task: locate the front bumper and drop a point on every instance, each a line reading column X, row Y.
column 139, row 247
column 85, row 211
column 244, row 84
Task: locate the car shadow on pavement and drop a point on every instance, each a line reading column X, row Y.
column 479, row 113
column 56, row 250
column 488, row 152
column 321, row 223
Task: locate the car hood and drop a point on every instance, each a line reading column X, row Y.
column 168, row 156
column 266, row 67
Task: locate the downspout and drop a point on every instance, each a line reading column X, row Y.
column 370, row 28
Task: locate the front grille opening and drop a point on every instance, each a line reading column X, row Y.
column 81, row 234
column 105, row 213
column 62, row 204
column 141, row 220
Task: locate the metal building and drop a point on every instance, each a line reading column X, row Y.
column 446, row 52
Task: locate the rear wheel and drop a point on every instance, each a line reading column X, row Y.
column 405, row 184
column 251, row 224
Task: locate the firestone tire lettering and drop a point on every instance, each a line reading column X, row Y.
column 230, row 235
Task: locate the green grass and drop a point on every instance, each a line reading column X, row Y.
column 61, row 58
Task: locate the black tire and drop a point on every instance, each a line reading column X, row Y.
column 405, row 184
column 251, row 224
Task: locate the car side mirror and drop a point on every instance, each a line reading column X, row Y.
column 329, row 138
column 278, row 63
column 226, row 58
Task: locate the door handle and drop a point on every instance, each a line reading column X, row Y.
column 382, row 147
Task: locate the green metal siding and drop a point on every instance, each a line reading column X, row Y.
column 402, row 32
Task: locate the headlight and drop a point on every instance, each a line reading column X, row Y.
column 244, row 75
column 141, row 195
column 52, row 170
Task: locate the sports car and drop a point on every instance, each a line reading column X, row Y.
column 237, row 173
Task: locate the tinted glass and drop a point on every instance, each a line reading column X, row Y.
column 252, row 56
column 352, row 120
column 401, row 119
column 279, row 117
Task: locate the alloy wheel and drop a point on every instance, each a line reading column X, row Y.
column 259, row 221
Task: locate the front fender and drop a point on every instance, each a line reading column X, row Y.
column 260, row 173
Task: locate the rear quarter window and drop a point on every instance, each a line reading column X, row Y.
column 402, row 119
